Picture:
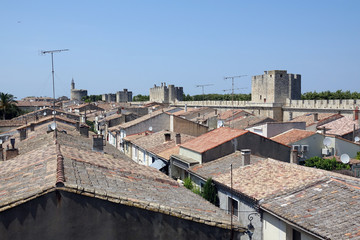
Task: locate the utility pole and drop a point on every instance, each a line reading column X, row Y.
column 202, row 86
column 53, row 78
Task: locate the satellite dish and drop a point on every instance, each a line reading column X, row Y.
column 53, row 126
column 150, row 129
column 327, row 141
column 357, row 139
column 1, row 141
column 44, row 113
column 54, row 112
column 345, row 158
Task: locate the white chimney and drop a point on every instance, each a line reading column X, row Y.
column 245, row 157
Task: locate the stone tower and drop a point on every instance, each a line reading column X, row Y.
column 275, row 87
column 72, row 84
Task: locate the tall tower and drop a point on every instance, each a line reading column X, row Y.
column 275, row 86
column 72, row 84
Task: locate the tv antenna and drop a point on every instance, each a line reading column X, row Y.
column 202, row 86
column 232, row 84
column 53, row 73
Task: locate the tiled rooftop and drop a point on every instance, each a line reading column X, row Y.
column 269, row 177
column 309, row 118
column 103, row 176
column 155, row 143
column 330, row 209
column 247, row 121
column 138, row 120
column 222, row 165
column 292, row 135
column 232, row 112
column 212, row 139
column 341, row 126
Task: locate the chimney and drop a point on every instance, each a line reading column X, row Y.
column 77, row 126
column 98, row 144
column 84, row 131
column 22, row 134
column 1, row 152
column 185, row 108
column 32, row 127
column 12, row 141
column 323, row 130
column 316, row 117
column 177, row 139
column 356, row 113
column 294, row 156
column 167, row 137
column 13, row 152
column 245, row 157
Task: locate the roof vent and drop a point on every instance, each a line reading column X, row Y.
column 245, row 157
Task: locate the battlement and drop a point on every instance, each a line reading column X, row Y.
column 166, row 94
column 323, row 104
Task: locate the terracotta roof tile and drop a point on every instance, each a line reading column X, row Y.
column 292, row 135
column 269, row 177
column 309, row 118
column 330, row 209
column 341, row 126
column 212, row 139
column 155, row 143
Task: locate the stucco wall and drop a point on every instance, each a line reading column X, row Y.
column 180, row 125
column 65, row 215
column 245, row 208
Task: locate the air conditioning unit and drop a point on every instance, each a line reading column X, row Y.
column 304, row 148
column 325, row 151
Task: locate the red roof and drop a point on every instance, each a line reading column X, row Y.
column 212, row 139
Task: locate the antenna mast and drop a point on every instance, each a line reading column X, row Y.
column 232, row 88
column 202, row 86
column 53, row 73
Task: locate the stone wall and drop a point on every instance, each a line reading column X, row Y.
column 166, row 94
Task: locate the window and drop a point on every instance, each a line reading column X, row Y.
column 260, row 97
column 280, row 75
column 296, row 147
column 233, row 206
column 296, row 235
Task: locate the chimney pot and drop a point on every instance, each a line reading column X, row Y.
column 356, row 113
column 245, row 157
column 316, row 117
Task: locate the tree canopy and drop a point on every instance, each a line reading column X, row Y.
column 8, row 107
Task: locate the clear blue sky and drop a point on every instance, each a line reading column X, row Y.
column 136, row 44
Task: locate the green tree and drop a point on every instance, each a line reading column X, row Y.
column 209, row 191
column 358, row 155
column 7, row 103
column 188, row 183
column 141, row 98
column 326, row 164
